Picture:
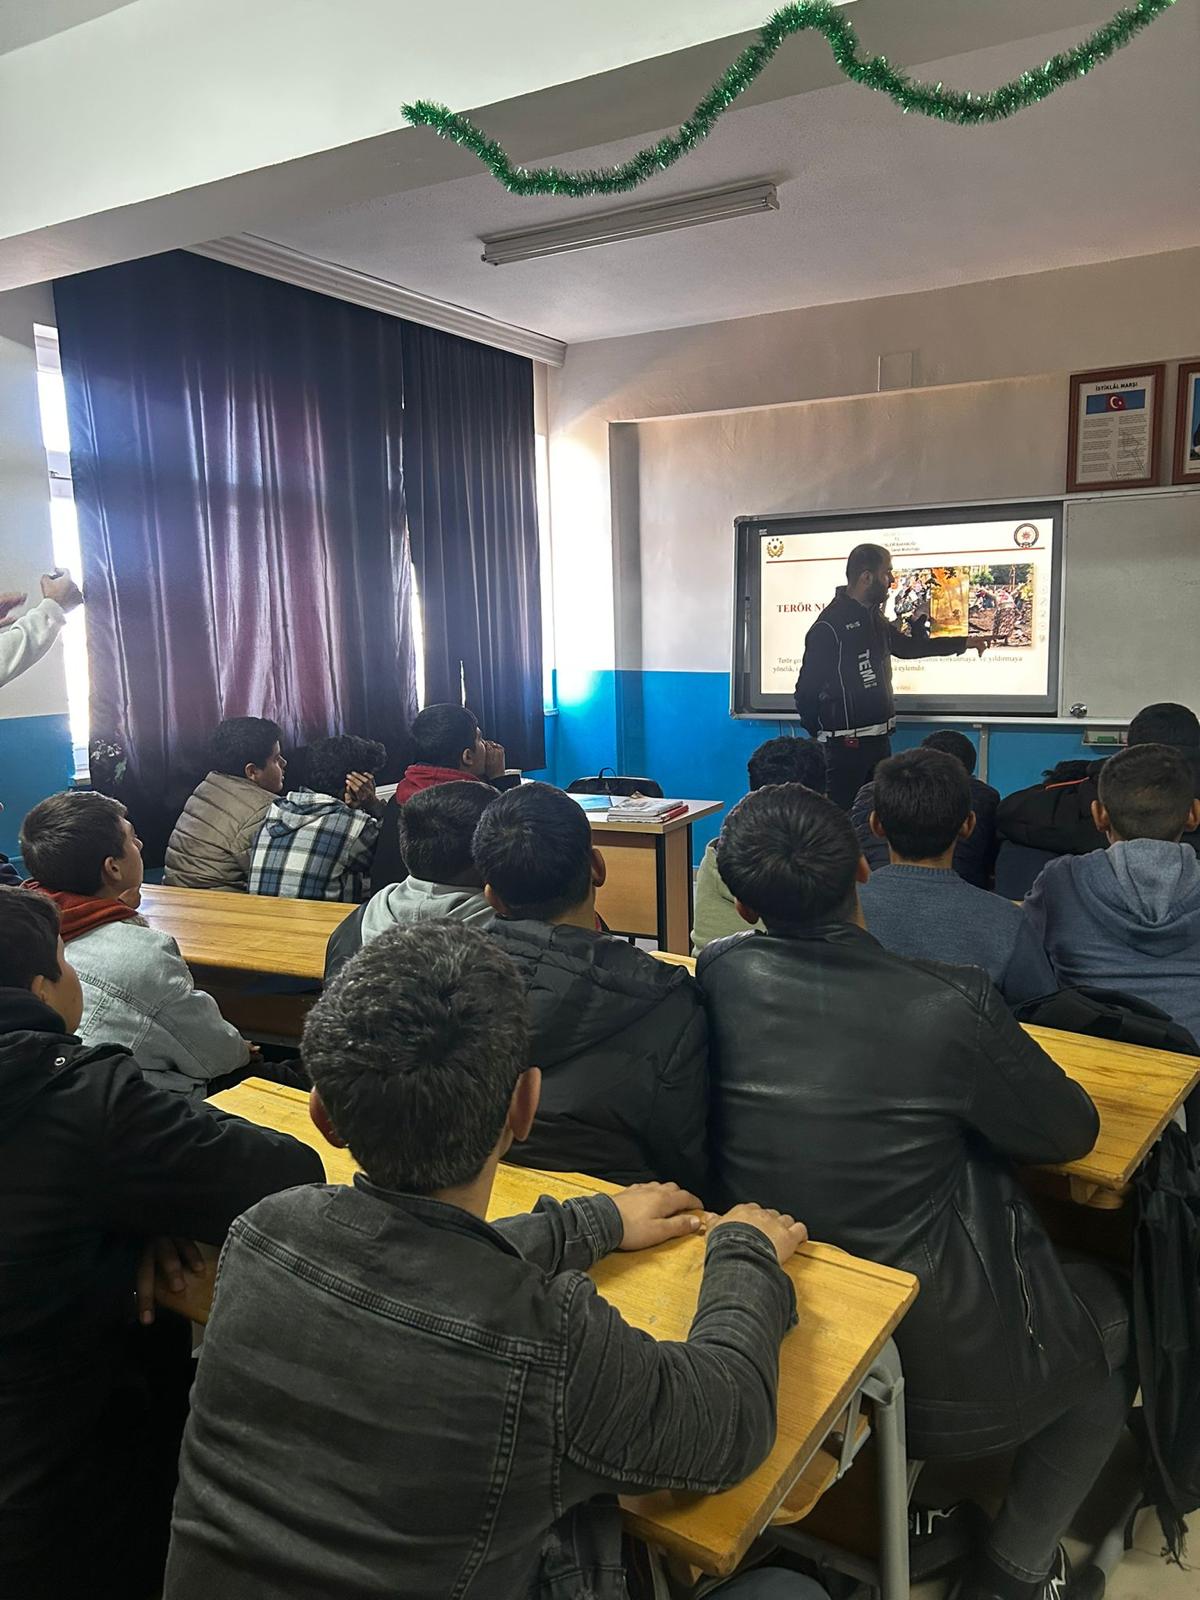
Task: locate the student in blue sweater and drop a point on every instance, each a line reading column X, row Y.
column 1128, row 917
column 917, row 905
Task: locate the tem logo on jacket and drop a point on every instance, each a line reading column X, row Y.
column 866, row 670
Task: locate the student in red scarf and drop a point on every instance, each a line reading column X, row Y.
column 449, row 749
column 137, row 991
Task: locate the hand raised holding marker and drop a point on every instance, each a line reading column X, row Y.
column 784, row 1232
column 655, row 1212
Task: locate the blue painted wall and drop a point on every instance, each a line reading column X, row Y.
column 675, row 727
column 35, row 760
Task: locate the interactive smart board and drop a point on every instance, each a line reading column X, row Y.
column 982, row 571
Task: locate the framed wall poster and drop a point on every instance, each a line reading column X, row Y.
column 1187, row 425
column 1115, row 438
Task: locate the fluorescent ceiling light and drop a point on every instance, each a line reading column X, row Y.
column 630, row 222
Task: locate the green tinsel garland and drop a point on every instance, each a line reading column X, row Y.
column 874, row 72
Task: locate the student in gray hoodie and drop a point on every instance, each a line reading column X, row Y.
column 1129, row 917
column 436, row 827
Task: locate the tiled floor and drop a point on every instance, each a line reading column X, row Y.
column 1142, row 1573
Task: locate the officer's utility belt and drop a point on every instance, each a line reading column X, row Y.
column 877, row 730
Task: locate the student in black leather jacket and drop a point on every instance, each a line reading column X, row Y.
column 888, row 1101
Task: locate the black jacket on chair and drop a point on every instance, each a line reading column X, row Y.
column 621, row 1042
column 884, row 1102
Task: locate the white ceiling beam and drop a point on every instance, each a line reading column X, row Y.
column 360, row 289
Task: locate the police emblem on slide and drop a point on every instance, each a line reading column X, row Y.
column 1026, row 536
column 774, row 548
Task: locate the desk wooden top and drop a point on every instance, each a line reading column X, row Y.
column 695, row 810
column 848, row 1310
column 1135, row 1090
column 245, row 932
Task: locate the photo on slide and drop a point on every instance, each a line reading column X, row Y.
column 996, row 602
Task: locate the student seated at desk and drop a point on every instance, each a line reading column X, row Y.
column 918, row 905
column 782, row 760
column 974, row 854
column 620, row 1037
column 887, row 1101
column 211, row 844
column 1128, row 918
column 137, row 990
column 449, row 748
column 1056, row 814
column 317, row 842
column 436, row 830
column 94, row 1161
column 397, row 1398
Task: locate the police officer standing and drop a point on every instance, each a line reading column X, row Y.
column 844, row 691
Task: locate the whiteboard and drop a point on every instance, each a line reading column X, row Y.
column 1131, row 609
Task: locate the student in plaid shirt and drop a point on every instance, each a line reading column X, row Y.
column 317, row 842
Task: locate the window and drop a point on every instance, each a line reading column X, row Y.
column 542, row 469
column 52, row 403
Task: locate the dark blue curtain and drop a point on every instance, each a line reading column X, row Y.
column 472, row 515
column 236, row 448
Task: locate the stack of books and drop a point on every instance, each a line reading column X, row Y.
column 612, row 808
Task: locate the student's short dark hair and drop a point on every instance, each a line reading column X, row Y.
column 1147, row 791
column 787, row 760
column 1166, row 723
column 415, row 1048
column 865, row 558
column 440, row 734
column 790, row 855
column 28, row 938
column 534, row 848
column 437, row 826
column 922, row 799
column 327, row 761
column 67, row 838
column 242, row 742
column 953, row 744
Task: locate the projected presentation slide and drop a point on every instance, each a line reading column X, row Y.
column 991, row 574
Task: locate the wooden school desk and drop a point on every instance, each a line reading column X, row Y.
column 648, row 891
column 245, row 932
column 848, row 1311
column 1135, row 1090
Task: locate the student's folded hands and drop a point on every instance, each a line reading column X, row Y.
column 165, row 1261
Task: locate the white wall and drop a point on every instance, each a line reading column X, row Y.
column 162, row 95
column 25, row 546
column 1010, row 343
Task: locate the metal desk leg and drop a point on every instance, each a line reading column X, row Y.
column 885, row 1387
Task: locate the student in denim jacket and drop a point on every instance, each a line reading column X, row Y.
column 82, row 851
column 397, row 1397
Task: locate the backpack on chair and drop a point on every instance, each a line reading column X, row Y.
column 1166, row 1330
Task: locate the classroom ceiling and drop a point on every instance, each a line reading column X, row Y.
column 25, row 22
column 871, row 203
